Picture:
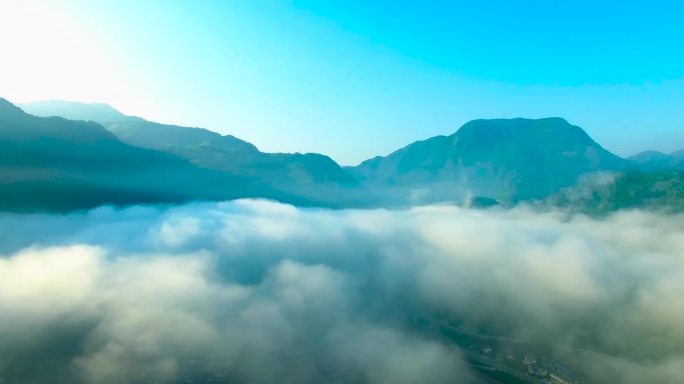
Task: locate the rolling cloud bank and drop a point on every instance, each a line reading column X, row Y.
column 260, row 292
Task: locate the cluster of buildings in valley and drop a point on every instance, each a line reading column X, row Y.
column 554, row 373
column 524, row 366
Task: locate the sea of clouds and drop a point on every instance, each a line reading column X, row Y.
column 259, row 292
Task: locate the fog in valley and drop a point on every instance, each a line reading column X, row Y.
column 261, row 292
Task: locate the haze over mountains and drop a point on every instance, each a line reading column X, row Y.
column 658, row 161
column 54, row 163
column 503, row 161
column 309, row 174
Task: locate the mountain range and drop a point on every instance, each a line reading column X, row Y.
column 70, row 155
column 53, row 163
column 309, row 179
column 203, row 147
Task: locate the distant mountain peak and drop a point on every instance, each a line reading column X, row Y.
column 651, row 160
column 135, row 130
column 651, row 152
column 74, row 110
column 522, row 127
column 518, row 122
column 648, row 155
column 521, row 120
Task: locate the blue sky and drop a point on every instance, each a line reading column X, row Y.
column 353, row 79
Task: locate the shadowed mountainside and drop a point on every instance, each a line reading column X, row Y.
column 295, row 173
column 50, row 163
column 58, row 164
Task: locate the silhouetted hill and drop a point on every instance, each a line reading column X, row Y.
column 51, row 163
column 308, row 174
column 228, row 153
column 58, row 164
column 505, row 159
column 73, row 110
column 147, row 134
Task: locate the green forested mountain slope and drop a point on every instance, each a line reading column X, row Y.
column 632, row 189
column 506, row 159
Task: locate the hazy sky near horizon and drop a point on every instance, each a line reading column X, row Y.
column 355, row 79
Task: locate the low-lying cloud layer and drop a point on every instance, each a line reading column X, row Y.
column 259, row 292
